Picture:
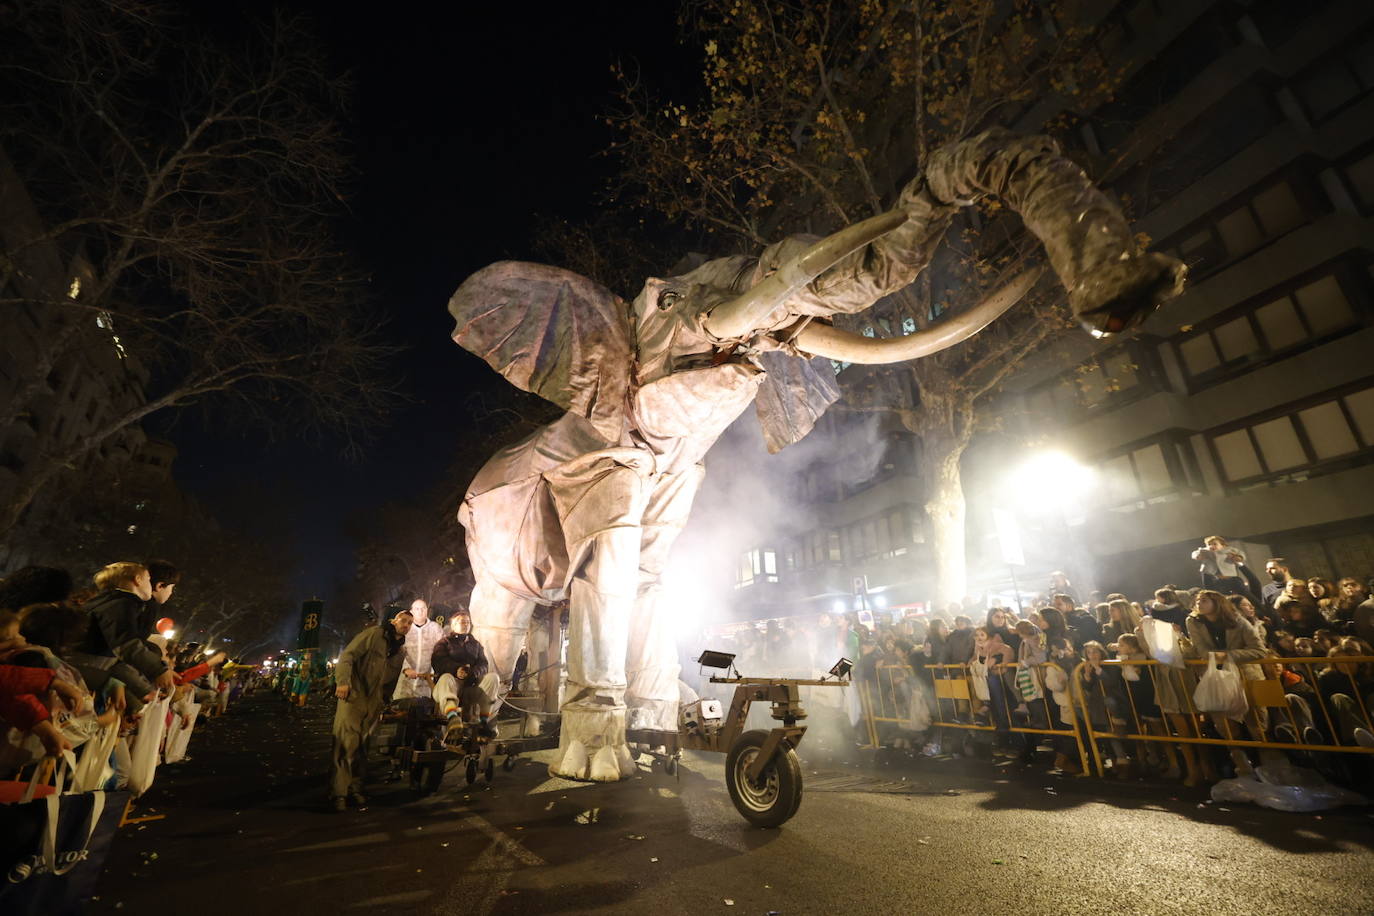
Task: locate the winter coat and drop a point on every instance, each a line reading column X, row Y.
column 456, row 650
column 417, row 655
column 119, row 628
column 958, row 647
column 20, row 687
column 1084, row 627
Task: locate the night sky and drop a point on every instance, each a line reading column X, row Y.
column 469, row 119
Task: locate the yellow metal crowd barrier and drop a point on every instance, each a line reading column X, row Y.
column 1305, row 704
column 950, row 694
column 1311, row 704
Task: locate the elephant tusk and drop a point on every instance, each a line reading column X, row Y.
column 834, row 343
column 748, row 311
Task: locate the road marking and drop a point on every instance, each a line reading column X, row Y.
column 558, row 784
column 503, row 841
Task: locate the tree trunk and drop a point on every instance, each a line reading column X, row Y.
column 945, row 511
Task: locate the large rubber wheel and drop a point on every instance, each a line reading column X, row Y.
column 471, row 773
column 490, row 771
column 776, row 796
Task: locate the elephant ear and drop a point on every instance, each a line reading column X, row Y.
column 551, row 332
column 794, row 394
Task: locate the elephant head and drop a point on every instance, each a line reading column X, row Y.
column 575, row 343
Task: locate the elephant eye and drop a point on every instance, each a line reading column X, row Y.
column 667, row 299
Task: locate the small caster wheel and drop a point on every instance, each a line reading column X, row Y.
column 670, row 766
column 471, row 772
column 509, row 763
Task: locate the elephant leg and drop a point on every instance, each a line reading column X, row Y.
column 652, row 663
column 600, row 500
column 500, row 619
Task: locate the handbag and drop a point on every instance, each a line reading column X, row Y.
column 53, row 842
column 1221, row 690
column 1026, row 685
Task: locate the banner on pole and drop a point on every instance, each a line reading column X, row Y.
column 312, row 612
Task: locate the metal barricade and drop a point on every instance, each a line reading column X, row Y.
column 1309, row 704
column 953, row 701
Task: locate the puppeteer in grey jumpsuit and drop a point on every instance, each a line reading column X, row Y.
column 369, row 667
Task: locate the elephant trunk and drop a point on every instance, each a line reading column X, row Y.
column 751, row 310
column 834, row 343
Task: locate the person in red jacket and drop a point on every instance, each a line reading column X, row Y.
column 21, row 691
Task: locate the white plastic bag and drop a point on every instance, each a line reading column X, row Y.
column 918, row 710
column 1162, row 641
column 147, row 748
column 1221, row 691
column 1286, row 788
column 93, row 764
column 978, row 674
column 178, row 736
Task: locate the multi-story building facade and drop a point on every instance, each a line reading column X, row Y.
column 95, row 380
column 1242, row 142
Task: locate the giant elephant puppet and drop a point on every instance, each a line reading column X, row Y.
column 588, row 507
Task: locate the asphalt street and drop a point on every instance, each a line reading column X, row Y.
column 246, row 830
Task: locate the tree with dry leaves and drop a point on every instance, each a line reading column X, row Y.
column 196, row 179
column 813, row 115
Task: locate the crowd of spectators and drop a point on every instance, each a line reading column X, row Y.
column 87, row 670
column 1021, row 664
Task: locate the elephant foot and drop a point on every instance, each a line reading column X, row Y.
column 591, row 745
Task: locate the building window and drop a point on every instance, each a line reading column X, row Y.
column 1163, row 469
column 757, row 565
column 1263, row 214
column 1359, row 177
column 1338, row 80
column 1110, row 378
column 1267, row 327
column 1316, row 436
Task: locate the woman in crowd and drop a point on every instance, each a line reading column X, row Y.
column 1217, row 633
column 1246, row 608
column 1106, row 697
column 1123, row 618
column 1323, row 592
column 1350, row 595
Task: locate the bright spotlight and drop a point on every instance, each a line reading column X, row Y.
column 880, row 601
column 1051, row 479
column 838, row 608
